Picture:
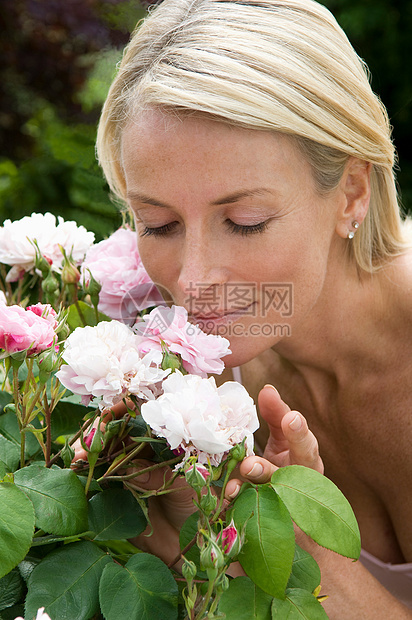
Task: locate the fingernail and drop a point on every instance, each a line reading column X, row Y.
column 256, row 471
column 271, row 386
column 234, row 493
column 296, row 423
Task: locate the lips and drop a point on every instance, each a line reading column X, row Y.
column 222, row 315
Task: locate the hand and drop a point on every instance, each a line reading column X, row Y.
column 167, row 513
column 290, row 443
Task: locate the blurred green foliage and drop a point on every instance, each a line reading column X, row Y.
column 60, row 59
column 61, row 174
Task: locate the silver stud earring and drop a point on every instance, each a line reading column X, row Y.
column 355, row 224
column 351, row 234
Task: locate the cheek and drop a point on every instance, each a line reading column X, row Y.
column 159, row 261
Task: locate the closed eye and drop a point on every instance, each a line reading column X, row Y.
column 241, row 229
column 160, row 231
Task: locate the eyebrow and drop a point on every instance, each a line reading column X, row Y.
column 229, row 199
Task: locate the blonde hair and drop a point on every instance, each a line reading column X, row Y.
column 274, row 65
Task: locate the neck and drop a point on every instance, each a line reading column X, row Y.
column 345, row 326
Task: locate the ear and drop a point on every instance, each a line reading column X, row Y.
column 356, row 189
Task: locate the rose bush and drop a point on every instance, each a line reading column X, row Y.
column 64, row 527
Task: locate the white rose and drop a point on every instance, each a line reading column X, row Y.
column 17, row 248
column 194, row 415
column 104, row 362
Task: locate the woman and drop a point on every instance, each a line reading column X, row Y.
column 246, row 140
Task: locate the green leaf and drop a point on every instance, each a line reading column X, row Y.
column 142, row 590
column 88, row 316
column 268, row 550
column 299, row 605
column 27, row 565
column 319, row 509
column 15, row 533
column 115, row 513
column 66, row 582
column 245, row 601
column 9, row 453
column 3, row 470
column 58, row 498
column 9, row 428
column 5, row 399
column 305, row 571
column 11, row 589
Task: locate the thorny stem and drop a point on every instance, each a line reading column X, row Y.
column 6, row 286
column 182, row 553
column 29, row 411
column 19, row 290
column 209, row 593
column 16, row 396
column 230, row 467
column 47, row 413
column 89, row 478
column 141, row 471
column 127, row 459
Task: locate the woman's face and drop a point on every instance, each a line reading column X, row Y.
column 229, row 223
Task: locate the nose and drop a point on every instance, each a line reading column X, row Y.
column 201, row 268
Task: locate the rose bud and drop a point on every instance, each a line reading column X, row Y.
column 211, row 557
column 197, row 476
column 208, row 502
column 229, row 540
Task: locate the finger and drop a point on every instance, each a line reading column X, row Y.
column 303, row 445
column 150, row 480
column 254, row 469
column 272, row 409
column 175, row 506
column 164, row 542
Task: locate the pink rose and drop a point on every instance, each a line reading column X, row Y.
column 22, row 330
column 201, row 353
column 46, row 311
column 126, row 287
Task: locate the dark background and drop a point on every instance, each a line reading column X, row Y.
column 58, row 58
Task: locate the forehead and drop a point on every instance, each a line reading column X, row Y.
column 156, row 134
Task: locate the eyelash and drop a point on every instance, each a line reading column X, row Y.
column 160, row 231
column 237, row 229
column 246, row 230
